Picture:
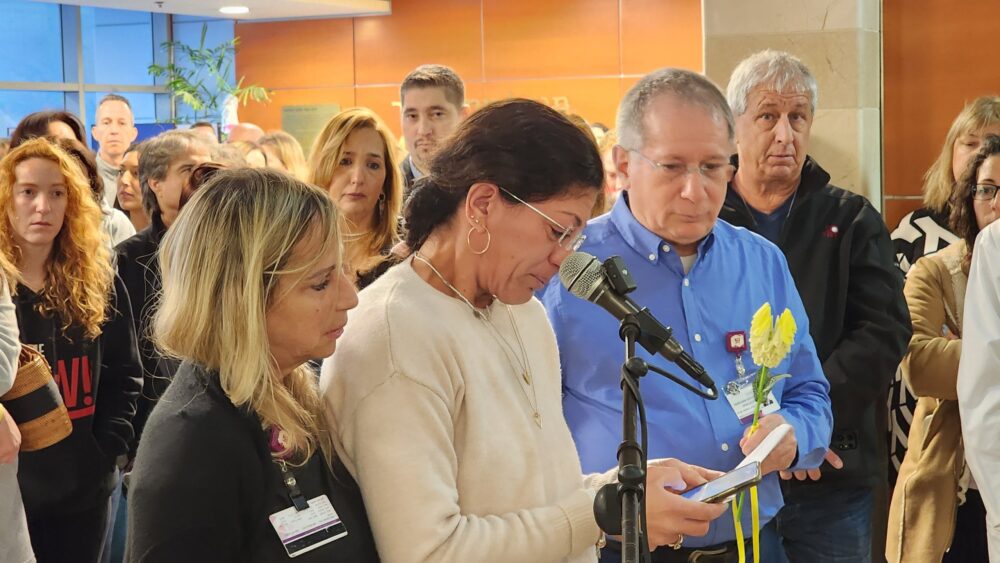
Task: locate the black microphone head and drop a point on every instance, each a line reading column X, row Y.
column 581, row 274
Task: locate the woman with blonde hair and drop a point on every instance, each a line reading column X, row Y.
column 926, row 231
column 934, row 472
column 284, row 153
column 240, row 458
column 353, row 158
column 73, row 309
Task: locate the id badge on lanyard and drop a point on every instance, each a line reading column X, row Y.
column 307, row 524
column 739, row 391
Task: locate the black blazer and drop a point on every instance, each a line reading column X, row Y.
column 204, row 485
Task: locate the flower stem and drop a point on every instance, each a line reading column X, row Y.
column 759, row 385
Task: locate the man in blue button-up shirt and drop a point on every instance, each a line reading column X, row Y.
column 700, row 276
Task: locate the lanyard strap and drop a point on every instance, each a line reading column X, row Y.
column 294, row 492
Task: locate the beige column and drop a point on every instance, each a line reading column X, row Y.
column 839, row 40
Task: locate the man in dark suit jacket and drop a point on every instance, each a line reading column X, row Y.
column 432, row 99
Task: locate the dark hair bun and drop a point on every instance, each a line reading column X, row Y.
column 427, row 207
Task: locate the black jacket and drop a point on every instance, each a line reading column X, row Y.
column 202, row 490
column 406, row 167
column 840, row 256
column 100, row 381
column 139, row 268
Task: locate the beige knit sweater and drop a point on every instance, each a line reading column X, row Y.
column 433, row 422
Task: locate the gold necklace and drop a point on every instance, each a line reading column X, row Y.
column 508, row 350
column 351, row 237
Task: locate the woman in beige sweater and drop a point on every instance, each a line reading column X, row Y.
column 936, row 512
column 445, row 393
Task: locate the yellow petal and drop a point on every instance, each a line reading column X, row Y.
column 785, row 327
column 760, row 333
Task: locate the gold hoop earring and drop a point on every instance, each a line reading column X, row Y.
column 468, row 241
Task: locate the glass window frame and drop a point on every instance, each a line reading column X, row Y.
column 74, row 86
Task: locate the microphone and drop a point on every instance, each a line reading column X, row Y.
column 585, row 277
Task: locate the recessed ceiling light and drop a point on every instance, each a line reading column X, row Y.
column 234, row 10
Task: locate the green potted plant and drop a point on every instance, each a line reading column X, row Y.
column 200, row 78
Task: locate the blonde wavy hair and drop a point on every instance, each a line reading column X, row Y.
column 79, row 274
column 289, row 152
column 366, row 252
column 939, row 181
column 221, row 262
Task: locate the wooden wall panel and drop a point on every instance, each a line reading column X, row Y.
column 659, row 33
column 895, row 209
column 297, row 54
column 594, row 99
column 268, row 116
column 419, row 32
column 576, row 55
column 932, row 66
column 550, row 38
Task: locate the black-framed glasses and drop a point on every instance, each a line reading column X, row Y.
column 568, row 240
column 984, row 192
column 717, row 172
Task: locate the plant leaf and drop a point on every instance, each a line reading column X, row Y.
column 772, row 381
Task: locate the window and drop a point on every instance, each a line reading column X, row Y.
column 117, row 46
column 44, row 41
column 32, row 30
column 15, row 104
column 187, row 29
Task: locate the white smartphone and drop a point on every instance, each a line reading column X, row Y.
column 724, row 488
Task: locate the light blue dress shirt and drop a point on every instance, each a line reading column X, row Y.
column 735, row 272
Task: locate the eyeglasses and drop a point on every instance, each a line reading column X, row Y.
column 984, row 192
column 717, row 172
column 567, row 239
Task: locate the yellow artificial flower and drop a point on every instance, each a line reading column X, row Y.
column 771, row 339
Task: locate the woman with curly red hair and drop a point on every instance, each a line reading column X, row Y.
column 74, row 310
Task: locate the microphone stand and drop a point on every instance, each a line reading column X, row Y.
column 632, row 455
column 620, row 508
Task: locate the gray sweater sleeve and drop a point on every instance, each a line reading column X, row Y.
column 10, row 344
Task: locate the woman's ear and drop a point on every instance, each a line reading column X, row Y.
column 482, row 198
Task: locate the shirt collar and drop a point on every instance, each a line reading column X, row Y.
column 642, row 240
column 413, row 168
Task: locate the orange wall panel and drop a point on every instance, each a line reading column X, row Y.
column 595, row 99
column 576, row 55
column 297, row 54
column 659, row 33
column 268, row 116
column 932, row 66
column 419, row 32
column 550, row 38
column 896, row 209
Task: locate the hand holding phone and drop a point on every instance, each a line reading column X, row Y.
column 727, row 486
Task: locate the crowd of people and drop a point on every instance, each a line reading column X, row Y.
column 364, row 354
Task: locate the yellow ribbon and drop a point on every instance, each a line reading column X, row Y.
column 754, row 513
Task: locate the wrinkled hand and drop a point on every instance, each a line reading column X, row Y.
column 782, row 455
column 814, row 474
column 669, row 515
column 10, row 439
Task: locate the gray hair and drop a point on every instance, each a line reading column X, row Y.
column 775, row 69
column 155, row 159
column 684, row 84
